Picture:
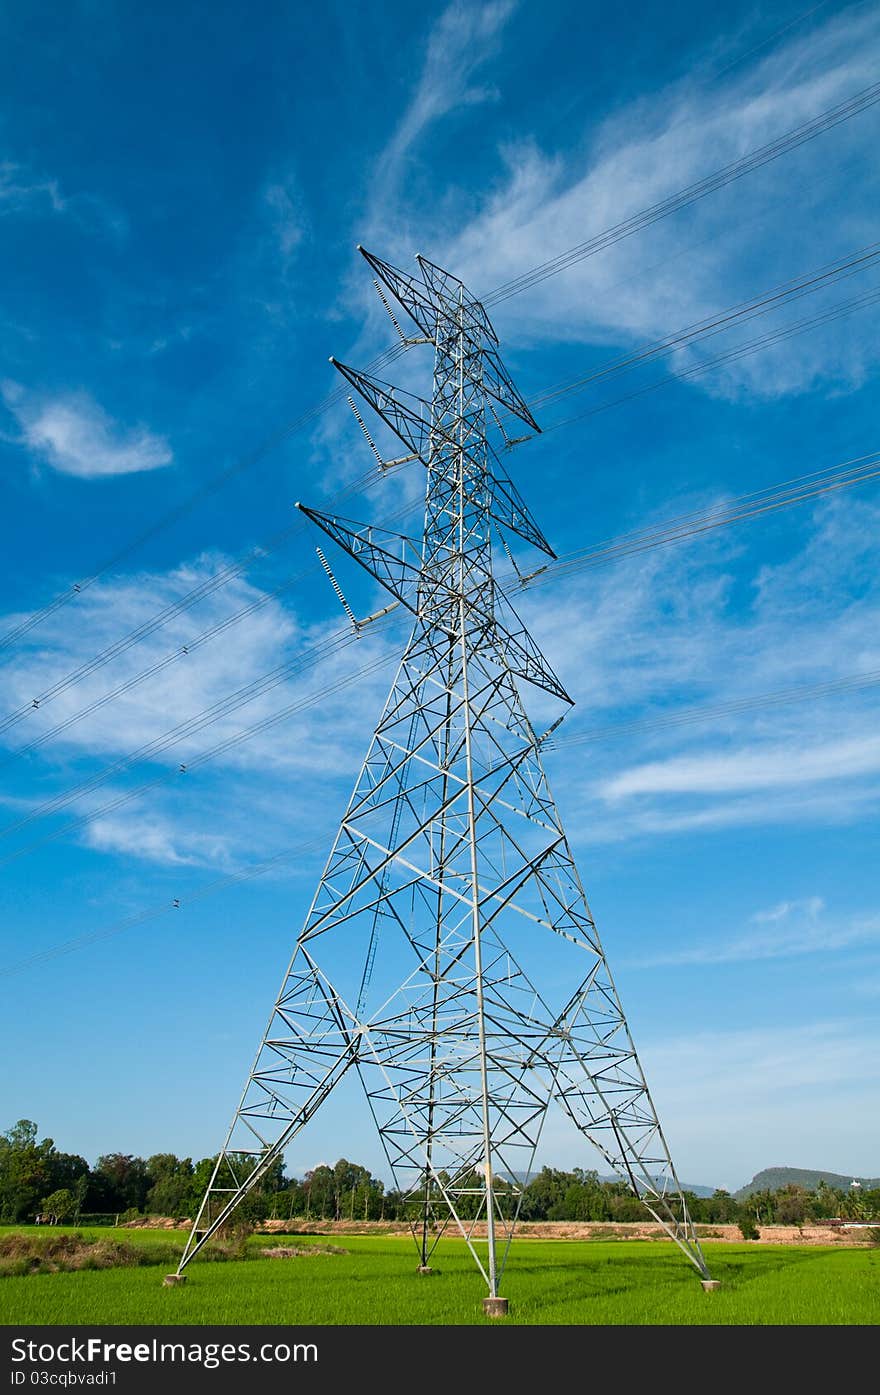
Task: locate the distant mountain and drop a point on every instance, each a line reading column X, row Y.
column 697, row 1188
column 774, row 1177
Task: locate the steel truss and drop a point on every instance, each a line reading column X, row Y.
column 449, row 957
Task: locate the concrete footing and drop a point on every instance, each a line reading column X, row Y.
column 496, row 1307
column 171, row 1279
column 425, row 1269
column 710, row 1285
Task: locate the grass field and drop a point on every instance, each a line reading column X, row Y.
column 555, row 1282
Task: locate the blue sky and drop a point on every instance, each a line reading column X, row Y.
column 181, row 192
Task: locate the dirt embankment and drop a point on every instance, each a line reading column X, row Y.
column 588, row 1230
column 545, row 1230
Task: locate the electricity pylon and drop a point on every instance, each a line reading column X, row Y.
column 449, row 957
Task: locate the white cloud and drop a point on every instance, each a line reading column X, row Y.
column 789, row 1095
column 20, row 191
column 287, row 220
column 656, row 633
column 839, row 806
column 790, row 929
column 76, row 436
column 757, row 232
column 151, row 838
column 24, row 193
column 734, row 1102
column 461, row 41
column 668, row 631
column 810, row 906
column 764, row 767
column 257, row 782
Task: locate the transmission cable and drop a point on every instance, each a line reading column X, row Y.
column 204, row 491
column 685, row 526
column 173, row 609
column 766, row 302
column 202, row 758
column 688, row 716
column 833, row 688
column 769, row 500
column 745, row 350
column 153, row 913
column 755, row 159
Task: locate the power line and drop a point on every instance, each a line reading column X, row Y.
column 688, row 716
column 78, row 942
column 814, row 280
column 767, row 300
column 182, row 651
column 771, row 299
column 769, row 500
column 755, row 159
column 684, row 526
column 211, row 486
column 805, row 692
column 171, row 611
column 764, row 303
column 197, row 761
column 835, row 312
column 777, row 34
column 224, row 707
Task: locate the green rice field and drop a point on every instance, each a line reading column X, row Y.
column 375, row 1283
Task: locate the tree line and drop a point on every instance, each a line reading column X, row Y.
column 38, row 1180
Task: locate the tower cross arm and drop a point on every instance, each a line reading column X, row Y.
column 394, row 572
column 411, row 424
column 510, row 509
column 411, row 294
column 514, row 648
column 499, row 384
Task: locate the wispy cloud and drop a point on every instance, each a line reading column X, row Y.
column 77, row 437
column 460, row 43
column 149, row 837
column 665, row 631
column 791, row 1095
column 267, row 267
column 732, row 244
column 763, row 767
column 20, row 191
column 286, row 218
column 24, row 192
column 321, row 734
column 791, row 929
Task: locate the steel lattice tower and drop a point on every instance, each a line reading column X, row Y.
column 449, row 957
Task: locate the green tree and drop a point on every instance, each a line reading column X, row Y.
column 762, row 1205
column 119, row 1183
column 792, row 1205
column 170, row 1187
column 720, row 1208
column 59, row 1205
column 25, row 1171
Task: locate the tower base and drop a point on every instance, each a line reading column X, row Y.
column 425, row 1269
column 496, row 1307
column 710, row 1285
column 171, row 1279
